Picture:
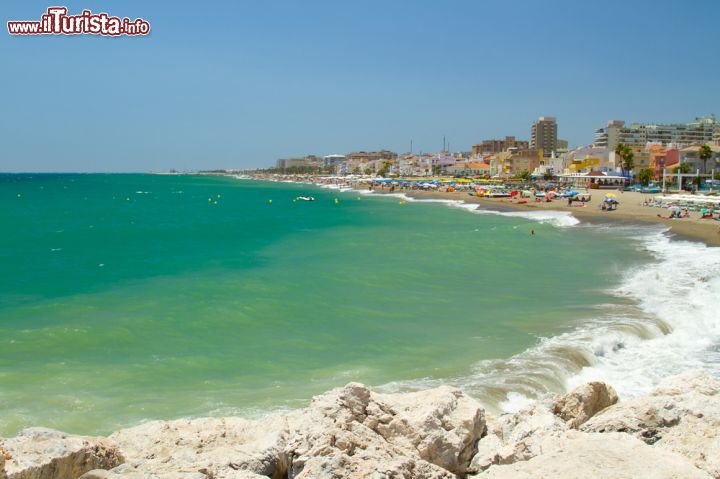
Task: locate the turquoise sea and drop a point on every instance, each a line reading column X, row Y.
column 133, row 297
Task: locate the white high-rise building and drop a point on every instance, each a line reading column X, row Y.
column 702, row 130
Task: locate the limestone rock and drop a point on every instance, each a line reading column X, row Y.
column 583, row 402
column 443, row 424
column 681, row 415
column 576, row 455
column 352, row 432
column 347, row 432
column 215, row 447
column 516, row 437
column 41, row 453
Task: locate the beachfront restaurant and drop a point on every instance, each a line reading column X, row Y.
column 594, row 180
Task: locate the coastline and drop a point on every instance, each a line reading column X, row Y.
column 635, row 333
column 629, row 212
column 309, row 443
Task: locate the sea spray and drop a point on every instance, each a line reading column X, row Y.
column 681, row 291
column 665, row 322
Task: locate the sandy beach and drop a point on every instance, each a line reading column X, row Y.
column 630, row 210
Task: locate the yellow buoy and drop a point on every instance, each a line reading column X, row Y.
column 269, row 201
column 19, row 195
column 218, row 196
column 214, row 202
column 358, row 198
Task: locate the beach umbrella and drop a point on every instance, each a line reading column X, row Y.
column 610, row 195
column 674, row 208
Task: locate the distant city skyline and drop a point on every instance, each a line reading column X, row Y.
column 239, row 85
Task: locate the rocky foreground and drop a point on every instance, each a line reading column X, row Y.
column 438, row 433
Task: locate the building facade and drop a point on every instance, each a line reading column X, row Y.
column 498, row 146
column 702, row 130
column 543, row 135
column 691, row 156
column 364, row 156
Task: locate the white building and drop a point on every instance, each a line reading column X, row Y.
column 702, row 130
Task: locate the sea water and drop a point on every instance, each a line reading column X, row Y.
column 125, row 298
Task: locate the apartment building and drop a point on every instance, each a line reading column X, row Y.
column 498, row 146
column 702, row 130
column 543, row 135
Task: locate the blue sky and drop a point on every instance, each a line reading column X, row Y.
column 238, row 84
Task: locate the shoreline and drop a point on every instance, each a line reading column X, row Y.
column 688, row 229
column 630, row 210
column 660, row 292
column 305, row 442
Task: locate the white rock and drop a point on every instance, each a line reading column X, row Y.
column 347, row 432
column 219, row 447
column 352, row 432
column 443, row 424
column 583, row 402
column 576, row 455
column 41, row 453
column 681, row 415
column 516, row 437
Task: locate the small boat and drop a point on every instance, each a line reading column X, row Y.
column 305, row 198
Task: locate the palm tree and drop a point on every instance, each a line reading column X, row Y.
column 705, row 153
column 626, row 153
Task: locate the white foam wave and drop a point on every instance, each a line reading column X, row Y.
column 557, row 218
column 681, row 290
column 664, row 322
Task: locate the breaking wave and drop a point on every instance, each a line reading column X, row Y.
column 664, row 321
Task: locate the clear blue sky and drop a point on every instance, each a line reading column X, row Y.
column 239, row 84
